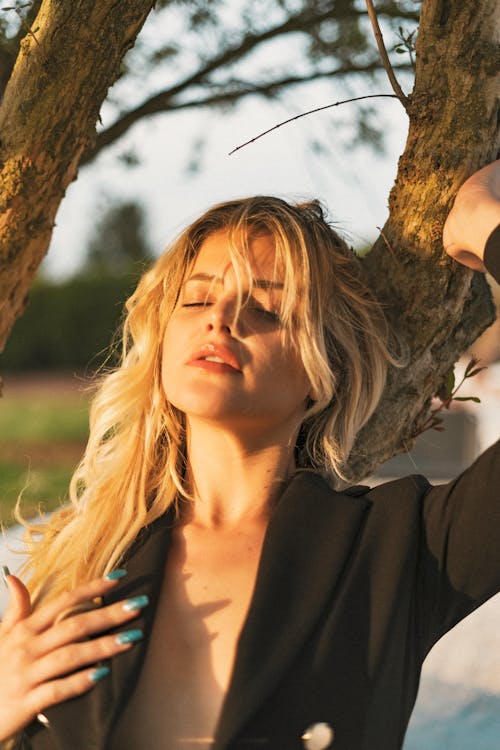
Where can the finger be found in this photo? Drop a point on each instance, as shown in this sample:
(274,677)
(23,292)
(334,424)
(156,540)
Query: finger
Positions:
(78,627)
(467,259)
(77,655)
(461,254)
(19,607)
(47,614)
(490,177)
(58,690)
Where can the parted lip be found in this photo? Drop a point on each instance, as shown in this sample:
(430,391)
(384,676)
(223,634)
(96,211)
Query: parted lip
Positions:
(216,350)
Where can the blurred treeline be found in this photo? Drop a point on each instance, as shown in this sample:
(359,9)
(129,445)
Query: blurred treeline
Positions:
(69,324)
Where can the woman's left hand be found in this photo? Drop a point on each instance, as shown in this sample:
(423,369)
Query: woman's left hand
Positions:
(475,214)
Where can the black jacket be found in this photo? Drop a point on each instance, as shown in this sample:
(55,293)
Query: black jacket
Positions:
(352,591)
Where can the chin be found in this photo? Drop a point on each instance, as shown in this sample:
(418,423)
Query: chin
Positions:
(203,408)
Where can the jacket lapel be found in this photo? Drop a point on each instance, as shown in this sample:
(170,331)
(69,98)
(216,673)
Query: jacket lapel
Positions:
(93,713)
(286,603)
(307,546)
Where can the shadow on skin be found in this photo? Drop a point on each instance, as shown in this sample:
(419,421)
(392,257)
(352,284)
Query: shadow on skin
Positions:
(177,693)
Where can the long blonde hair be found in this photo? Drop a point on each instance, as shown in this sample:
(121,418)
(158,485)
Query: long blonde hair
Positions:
(133,467)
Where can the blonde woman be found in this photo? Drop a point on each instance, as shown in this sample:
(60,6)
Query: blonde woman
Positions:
(207,587)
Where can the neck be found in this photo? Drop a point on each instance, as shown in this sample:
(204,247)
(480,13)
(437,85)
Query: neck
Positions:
(235,480)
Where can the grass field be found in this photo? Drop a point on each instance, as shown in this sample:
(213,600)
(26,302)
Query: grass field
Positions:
(42,435)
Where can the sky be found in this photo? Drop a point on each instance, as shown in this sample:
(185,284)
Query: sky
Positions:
(353,182)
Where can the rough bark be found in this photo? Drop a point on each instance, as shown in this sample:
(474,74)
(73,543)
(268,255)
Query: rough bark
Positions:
(436,307)
(47,118)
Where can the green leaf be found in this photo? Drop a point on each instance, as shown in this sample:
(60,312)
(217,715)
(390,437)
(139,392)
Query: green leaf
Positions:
(475,372)
(468,398)
(446,388)
(450,381)
(470,366)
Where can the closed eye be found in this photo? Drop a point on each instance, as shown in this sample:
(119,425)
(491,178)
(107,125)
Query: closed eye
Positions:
(269,314)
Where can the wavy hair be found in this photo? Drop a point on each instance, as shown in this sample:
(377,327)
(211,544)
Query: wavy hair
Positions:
(133,467)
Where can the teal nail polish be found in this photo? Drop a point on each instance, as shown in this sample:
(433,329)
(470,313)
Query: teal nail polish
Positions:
(5,573)
(129,636)
(138,602)
(115,574)
(98,673)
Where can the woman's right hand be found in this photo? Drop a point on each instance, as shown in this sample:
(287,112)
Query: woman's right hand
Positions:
(46,657)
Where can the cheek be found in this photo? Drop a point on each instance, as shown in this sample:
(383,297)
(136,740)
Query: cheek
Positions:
(299,377)
(287,375)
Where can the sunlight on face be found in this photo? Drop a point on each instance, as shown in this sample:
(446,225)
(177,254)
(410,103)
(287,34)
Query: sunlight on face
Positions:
(234,371)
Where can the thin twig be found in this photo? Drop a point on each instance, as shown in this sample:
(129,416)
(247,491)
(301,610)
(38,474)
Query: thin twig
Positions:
(434,419)
(390,248)
(17,9)
(29,31)
(383,54)
(311,112)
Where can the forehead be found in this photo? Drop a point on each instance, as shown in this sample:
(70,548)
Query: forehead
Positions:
(214,256)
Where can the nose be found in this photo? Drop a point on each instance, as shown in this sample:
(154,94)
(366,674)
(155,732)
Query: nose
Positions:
(221,316)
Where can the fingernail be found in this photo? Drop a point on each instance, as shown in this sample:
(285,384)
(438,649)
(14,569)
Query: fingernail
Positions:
(5,573)
(115,574)
(129,636)
(138,602)
(98,673)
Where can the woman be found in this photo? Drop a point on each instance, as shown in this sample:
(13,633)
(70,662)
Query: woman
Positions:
(268,609)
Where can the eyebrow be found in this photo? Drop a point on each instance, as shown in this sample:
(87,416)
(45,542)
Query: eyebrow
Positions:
(259,283)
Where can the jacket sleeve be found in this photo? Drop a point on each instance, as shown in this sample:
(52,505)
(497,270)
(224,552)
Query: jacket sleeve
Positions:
(460,550)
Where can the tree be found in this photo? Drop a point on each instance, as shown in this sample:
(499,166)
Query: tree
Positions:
(437,307)
(47,119)
(221,50)
(118,245)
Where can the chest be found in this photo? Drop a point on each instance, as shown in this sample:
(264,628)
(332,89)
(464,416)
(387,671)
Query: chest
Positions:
(206,592)
(205,595)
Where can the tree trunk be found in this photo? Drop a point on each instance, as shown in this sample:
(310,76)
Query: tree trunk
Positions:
(47,118)
(437,307)
(48,115)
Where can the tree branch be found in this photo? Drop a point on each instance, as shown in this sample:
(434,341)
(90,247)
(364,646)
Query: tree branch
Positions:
(383,54)
(47,115)
(161,104)
(9,48)
(300,22)
(268,89)
(311,112)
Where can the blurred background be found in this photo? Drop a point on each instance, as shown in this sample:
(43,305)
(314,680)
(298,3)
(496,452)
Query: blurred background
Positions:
(204,77)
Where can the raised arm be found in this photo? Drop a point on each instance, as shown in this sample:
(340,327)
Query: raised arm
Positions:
(461,520)
(461,544)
